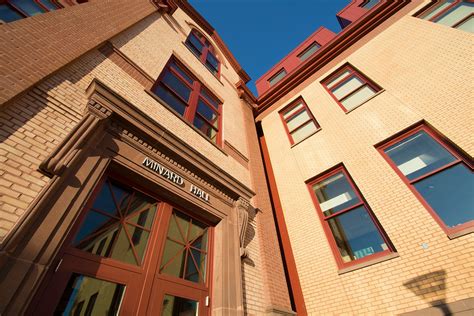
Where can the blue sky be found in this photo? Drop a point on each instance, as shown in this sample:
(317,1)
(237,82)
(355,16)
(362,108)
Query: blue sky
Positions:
(261,32)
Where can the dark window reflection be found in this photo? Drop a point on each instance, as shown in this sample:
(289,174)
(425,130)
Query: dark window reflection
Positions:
(89,296)
(356,234)
(451,194)
(179,306)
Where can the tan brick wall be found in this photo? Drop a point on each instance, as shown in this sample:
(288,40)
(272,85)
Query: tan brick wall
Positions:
(34,123)
(37,121)
(427,72)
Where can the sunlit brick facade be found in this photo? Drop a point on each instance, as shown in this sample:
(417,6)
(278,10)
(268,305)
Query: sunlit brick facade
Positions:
(140,176)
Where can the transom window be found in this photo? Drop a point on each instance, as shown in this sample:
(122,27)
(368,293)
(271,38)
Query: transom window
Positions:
(313,48)
(454,13)
(12,10)
(349,87)
(179,89)
(439,177)
(369,4)
(277,77)
(201,47)
(298,121)
(350,225)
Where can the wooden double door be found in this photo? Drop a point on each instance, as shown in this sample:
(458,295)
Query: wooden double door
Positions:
(129,254)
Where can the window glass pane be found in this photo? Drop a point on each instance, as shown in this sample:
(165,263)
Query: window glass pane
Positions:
(185,250)
(451,194)
(177,85)
(348,86)
(358,98)
(89,296)
(27,6)
(280,75)
(418,154)
(208,113)
(335,194)
(212,60)
(109,234)
(182,73)
(178,306)
(291,111)
(370,4)
(467,25)
(48,4)
(303,132)
(337,79)
(440,8)
(210,98)
(298,120)
(7,14)
(195,43)
(456,14)
(170,99)
(204,127)
(309,51)
(356,234)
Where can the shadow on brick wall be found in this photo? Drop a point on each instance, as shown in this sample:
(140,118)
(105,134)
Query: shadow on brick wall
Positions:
(431,287)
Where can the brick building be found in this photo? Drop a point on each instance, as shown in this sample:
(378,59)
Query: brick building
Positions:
(140,176)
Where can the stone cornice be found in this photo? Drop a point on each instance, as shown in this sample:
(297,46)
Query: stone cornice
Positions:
(184,155)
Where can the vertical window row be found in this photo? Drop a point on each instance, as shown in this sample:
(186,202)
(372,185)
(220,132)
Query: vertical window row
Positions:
(352,229)
(189,98)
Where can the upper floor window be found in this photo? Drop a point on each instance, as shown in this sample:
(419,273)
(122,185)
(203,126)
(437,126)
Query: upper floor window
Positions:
(277,77)
(437,174)
(190,99)
(201,47)
(369,4)
(349,87)
(309,51)
(454,13)
(298,121)
(350,225)
(12,10)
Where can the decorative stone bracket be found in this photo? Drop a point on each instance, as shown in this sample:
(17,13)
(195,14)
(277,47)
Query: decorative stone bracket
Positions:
(71,146)
(243,208)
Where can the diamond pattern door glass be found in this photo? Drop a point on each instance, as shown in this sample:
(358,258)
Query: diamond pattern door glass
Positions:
(185,253)
(118,224)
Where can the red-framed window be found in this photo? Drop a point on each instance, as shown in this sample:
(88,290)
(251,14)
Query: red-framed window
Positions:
(349,87)
(204,50)
(369,4)
(437,174)
(277,77)
(458,14)
(353,231)
(298,121)
(189,98)
(309,51)
(12,10)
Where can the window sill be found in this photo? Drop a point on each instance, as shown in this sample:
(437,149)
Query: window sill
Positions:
(198,57)
(462,232)
(380,92)
(306,137)
(368,263)
(154,96)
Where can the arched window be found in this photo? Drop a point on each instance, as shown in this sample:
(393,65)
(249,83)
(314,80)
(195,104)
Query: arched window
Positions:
(204,50)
